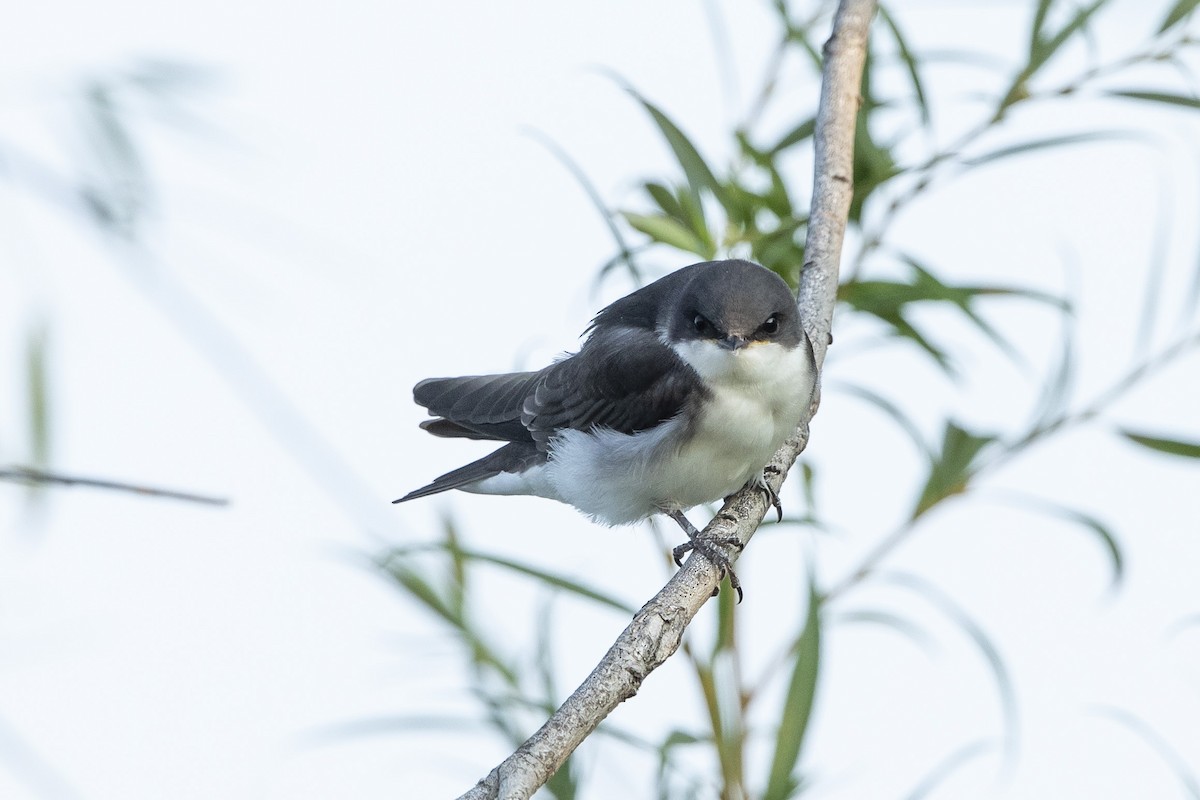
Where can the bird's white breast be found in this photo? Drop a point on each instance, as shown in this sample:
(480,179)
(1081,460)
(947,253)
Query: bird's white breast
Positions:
(756,397)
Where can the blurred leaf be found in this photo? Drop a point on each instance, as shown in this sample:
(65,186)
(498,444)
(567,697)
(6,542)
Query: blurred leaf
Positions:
(699,175)
(1181,10)
(905,627)
(118,191)
(670,232)
(1055,395)
(1168,98)
(798,705)
(952,469)
(38,398)
(1041,50)
(946,768)
(795,136)
(1046,143)
(1039,22)
(624,253)
(1174,447)
(902,420)
(553,580)
(666,201)
(1044,49)
(874,164)
(888,300)
(955,612)
(427,595)
(1103,533)
(1155,741)
(910,63)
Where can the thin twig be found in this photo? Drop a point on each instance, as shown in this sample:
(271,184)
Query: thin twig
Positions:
(30,475)
(657,629)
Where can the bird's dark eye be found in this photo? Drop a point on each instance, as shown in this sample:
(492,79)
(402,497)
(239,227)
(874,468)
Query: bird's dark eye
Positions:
(771,326)
(702,326)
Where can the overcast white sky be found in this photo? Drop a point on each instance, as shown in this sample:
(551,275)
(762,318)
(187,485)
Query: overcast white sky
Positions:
(364,210)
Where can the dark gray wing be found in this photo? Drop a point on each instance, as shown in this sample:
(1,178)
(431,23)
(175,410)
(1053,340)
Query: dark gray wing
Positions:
(623,378)
(477,406)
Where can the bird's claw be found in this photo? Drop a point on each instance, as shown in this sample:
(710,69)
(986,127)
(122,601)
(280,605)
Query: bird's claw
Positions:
(710,549)
(772,495)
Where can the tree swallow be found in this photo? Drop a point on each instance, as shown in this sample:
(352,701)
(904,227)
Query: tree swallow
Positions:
(680,394)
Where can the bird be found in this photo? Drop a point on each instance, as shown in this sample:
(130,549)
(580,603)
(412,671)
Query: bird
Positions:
(679,395)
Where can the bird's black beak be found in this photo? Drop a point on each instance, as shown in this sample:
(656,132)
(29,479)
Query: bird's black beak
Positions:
(732,342)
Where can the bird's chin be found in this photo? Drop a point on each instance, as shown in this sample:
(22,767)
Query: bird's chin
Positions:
(753,363)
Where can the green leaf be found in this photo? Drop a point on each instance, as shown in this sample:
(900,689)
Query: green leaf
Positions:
(796,135)
(553,580)
(699,174)
(38,399)
(798,705)
(910,62)
(1039,22)
(1044,49)
(668,231)
(1169,98)
(951,470)
(1178,12)
(665,200)
(1175,447)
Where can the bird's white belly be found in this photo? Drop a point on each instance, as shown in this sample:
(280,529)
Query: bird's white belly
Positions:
(617,478)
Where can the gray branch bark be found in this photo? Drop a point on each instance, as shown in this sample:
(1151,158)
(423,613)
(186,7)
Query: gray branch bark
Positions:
(657,629)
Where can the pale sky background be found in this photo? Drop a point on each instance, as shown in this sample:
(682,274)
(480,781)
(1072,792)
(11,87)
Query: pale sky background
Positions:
(363,210)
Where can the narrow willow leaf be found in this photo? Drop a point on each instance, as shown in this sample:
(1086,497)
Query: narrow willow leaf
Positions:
(624,253)
(665,200)
(951,469)
(553,580)
(949,765)
(910,63)
(902,420)
(905,627)
(1039,22)
(797,708)
(1046,143)
(1055,395)
(1169,98)
(1175,447)
(1154,740)
(1107,538)
(38,398)
(699,174)
(1178,12)
(956,613)
(1045,49)
(668,231)
(795,136)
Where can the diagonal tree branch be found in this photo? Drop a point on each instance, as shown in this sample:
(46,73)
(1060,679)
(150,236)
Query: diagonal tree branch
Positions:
(657,629)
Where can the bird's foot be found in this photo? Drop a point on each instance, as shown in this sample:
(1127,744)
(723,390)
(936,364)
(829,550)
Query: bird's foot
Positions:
(710,548)
(773,496)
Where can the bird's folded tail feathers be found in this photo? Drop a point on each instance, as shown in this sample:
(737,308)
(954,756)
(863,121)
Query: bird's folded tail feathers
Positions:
(514,457)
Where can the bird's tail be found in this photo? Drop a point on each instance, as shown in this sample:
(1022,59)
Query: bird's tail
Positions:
(513,457)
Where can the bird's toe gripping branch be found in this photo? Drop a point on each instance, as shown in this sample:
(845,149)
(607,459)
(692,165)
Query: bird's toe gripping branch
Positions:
(709,548)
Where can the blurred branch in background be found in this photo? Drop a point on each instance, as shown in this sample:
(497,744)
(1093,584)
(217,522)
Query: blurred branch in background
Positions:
(38,477)
(116,195)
